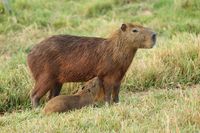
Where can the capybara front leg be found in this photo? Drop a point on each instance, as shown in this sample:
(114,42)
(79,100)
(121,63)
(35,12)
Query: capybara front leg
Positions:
(115,93)
(107,92)
(55,91)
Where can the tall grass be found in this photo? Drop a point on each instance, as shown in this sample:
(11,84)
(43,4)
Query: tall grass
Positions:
(167,66)
(173,63)
(15,84)
(155,111)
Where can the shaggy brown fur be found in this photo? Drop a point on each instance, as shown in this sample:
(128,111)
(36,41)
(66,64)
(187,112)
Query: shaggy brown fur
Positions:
(89,94)
(66,58)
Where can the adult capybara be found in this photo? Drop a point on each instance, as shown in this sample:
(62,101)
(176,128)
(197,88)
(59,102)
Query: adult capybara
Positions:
(89,94)
(66,58)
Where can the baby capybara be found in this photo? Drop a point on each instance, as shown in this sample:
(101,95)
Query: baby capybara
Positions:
(89,94)
(66,58)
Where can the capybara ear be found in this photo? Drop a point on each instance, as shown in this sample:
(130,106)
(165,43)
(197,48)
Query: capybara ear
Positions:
(123,27)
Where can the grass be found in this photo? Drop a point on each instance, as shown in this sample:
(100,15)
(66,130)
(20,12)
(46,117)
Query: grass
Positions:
(152,111)
(160,92)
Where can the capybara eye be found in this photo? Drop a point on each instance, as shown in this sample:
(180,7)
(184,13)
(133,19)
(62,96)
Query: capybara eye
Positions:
(135,30)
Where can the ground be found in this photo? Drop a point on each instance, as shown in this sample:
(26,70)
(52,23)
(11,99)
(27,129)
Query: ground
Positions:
(151,111)
(160,92)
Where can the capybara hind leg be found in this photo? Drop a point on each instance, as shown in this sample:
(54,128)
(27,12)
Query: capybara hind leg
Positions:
(115,93)
(55,91)
(34,100)
(41,88)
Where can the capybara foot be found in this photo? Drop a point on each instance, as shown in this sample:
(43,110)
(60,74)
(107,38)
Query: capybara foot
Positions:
(116,100)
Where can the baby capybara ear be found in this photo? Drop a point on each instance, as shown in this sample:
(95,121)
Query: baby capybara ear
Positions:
(123,27)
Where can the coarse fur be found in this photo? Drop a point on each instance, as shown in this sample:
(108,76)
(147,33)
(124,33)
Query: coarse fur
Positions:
(88,95)
(66,58)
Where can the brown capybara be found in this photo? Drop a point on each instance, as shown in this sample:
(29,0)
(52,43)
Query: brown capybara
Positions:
(89,94)
(66,58)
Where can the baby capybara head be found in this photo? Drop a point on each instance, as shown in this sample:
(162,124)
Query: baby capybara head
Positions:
(138,36)
(94,87)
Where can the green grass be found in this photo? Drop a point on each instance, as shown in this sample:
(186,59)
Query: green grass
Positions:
(152,111)
(163,77)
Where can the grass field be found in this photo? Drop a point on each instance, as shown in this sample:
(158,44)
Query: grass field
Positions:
(161,90)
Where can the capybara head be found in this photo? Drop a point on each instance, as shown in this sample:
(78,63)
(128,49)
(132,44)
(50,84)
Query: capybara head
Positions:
(94,87)
(138,36)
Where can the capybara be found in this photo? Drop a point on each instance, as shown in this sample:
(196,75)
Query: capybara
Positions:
(67,58)
(89,94)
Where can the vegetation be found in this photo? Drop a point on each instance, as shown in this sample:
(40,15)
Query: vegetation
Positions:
(160,92)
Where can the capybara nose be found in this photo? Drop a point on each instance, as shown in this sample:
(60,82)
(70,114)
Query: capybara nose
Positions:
(154,37)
